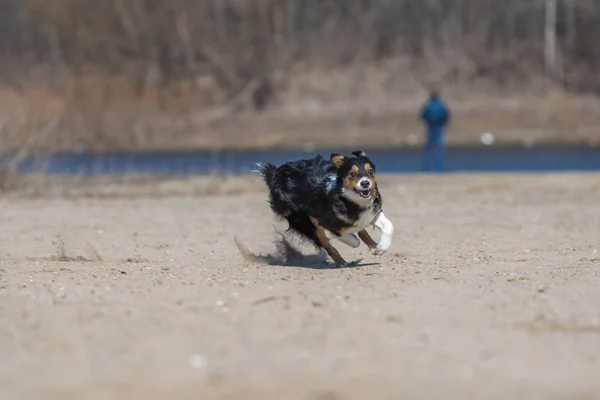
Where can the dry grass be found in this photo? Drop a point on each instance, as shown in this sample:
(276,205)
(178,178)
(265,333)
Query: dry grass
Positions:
(368,105)
(73,249)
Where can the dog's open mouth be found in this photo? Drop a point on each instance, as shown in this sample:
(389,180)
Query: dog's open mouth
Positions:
(365,194)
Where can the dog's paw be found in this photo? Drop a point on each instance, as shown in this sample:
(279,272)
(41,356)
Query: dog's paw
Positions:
(378,250)
(349,264)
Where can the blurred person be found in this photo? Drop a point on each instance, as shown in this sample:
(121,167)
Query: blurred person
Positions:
(436,115)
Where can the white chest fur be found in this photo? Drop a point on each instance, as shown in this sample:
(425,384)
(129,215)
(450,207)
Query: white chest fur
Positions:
(365,219)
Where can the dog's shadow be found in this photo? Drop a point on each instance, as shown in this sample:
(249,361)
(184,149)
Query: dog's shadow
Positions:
(302,263)
(289,256)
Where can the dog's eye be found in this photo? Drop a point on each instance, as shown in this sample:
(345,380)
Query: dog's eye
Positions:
(371,172)
(352,174)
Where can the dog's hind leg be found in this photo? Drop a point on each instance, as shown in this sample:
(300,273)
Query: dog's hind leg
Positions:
(301,223)
(324,242)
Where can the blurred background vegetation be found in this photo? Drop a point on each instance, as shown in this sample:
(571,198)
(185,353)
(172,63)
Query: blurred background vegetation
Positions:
(148,74)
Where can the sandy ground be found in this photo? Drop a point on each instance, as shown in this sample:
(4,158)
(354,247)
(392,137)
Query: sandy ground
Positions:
(491,290)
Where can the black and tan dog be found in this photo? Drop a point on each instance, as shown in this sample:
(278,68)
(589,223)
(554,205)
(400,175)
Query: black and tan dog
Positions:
(323,199)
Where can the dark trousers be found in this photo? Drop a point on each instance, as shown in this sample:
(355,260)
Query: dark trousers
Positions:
(433,155)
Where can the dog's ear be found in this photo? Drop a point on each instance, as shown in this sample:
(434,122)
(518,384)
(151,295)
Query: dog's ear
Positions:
(359,153)
(337,159)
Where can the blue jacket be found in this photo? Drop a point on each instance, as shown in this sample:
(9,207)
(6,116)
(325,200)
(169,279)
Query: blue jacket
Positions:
(435,113)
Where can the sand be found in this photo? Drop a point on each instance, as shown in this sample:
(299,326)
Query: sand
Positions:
(491,290)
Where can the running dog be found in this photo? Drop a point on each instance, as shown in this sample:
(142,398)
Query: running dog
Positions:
(324,199)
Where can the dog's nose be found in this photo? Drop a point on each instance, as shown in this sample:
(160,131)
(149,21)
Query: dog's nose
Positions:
(365,184)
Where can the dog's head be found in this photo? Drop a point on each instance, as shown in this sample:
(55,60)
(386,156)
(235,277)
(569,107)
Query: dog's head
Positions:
(357,174)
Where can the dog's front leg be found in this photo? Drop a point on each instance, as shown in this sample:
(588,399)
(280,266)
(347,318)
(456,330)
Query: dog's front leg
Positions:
(387,231)
(368,240)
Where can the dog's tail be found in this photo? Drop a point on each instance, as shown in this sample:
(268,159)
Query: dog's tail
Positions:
(266,171)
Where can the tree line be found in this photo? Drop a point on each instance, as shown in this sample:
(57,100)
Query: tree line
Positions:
(242,43)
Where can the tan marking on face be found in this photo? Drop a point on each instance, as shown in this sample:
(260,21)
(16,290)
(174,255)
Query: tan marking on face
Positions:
(349,181)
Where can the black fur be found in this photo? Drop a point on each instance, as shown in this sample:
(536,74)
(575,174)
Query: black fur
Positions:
(313,187)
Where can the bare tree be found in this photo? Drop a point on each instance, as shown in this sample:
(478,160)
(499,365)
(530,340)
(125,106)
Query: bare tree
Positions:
(237,42)
(550,37)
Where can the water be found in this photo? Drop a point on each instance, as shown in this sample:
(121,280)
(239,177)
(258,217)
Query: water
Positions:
(486,159)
